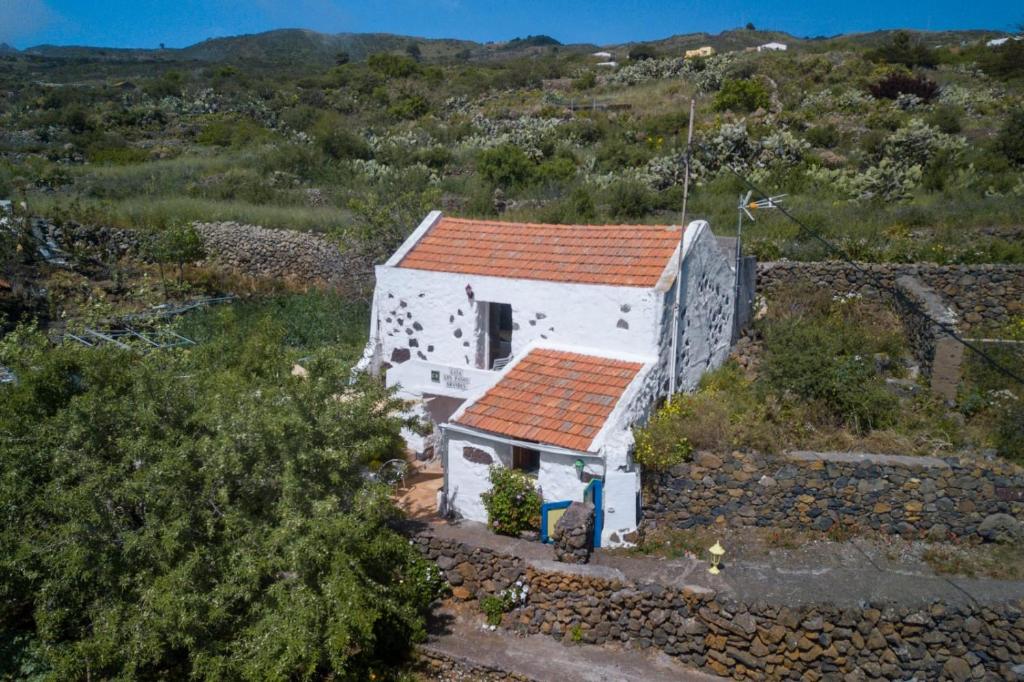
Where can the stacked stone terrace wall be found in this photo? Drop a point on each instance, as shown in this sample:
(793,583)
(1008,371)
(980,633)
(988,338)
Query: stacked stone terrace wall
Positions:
(980,295)
(280,254)
(897,495)
(745,640)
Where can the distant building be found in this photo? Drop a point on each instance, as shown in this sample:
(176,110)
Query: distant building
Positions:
(601,55)
(772,47)
(705,51)
(996,42)
(610,65)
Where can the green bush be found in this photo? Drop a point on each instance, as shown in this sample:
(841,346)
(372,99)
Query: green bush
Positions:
(506,166)
(823,136)
(512,503)
(1011,137)
(828,361)
(232,132)
(409,107)
(906,50)
(946,118)
(393,65)
(662,443)
(337,141)
(630,199)
(741,96)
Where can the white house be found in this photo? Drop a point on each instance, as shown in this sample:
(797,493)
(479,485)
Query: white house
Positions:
(772,47)
(601,55)
(539,346)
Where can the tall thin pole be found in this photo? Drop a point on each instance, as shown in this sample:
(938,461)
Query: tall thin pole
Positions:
(673,361)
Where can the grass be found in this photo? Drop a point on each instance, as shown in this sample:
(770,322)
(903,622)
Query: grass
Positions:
(1002,562)
(145,212)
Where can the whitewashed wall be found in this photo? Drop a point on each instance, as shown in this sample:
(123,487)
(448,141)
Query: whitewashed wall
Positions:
(468,480)
(429,316)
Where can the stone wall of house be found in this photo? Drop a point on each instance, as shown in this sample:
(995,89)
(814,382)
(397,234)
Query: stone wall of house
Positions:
(979,294)
(756,640)
(897,495)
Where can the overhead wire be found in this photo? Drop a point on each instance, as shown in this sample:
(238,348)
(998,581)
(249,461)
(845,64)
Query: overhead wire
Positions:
(897,294)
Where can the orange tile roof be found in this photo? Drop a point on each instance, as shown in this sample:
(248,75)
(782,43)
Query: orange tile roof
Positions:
(625,255)
(553,397)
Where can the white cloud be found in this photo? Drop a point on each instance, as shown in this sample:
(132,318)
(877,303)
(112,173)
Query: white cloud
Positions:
(24,18)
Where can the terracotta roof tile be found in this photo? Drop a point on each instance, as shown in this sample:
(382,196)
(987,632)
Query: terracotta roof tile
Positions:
(627,255)
(553,397)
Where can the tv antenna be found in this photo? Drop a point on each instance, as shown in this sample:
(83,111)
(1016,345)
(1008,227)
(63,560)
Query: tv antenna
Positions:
(748,208)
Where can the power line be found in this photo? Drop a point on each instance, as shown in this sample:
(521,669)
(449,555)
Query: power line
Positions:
(896,293)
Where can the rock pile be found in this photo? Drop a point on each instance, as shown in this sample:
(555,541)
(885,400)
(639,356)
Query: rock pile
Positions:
(573,536)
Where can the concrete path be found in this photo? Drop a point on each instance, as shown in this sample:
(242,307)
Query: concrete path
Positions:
(544,659)
(844,574)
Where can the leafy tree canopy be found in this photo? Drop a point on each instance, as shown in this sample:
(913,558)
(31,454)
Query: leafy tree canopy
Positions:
(199,514)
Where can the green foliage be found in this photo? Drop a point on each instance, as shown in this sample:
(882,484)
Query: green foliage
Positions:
(393,65)
(200,514)
(512,503)
(905,50)
(741,96)
(1005,62)
(170,84)
(946,118)
(585,81)
(662,443)
(826,136)
(826,358)
(336,140)
(177,244)
(409,107)
(506,166)
(629,199)
(494,607)
(641,52)
(1011,137)
(232,132)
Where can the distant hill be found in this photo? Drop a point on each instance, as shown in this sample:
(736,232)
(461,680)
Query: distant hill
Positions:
(300,46)
(7,49)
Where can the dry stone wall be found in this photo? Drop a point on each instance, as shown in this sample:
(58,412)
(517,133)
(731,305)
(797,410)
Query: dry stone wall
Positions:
(280,254)
(756,640)
(892,494)
(980,295)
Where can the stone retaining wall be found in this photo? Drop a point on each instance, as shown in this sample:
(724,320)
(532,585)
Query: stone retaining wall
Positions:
(812,641)
(910,496)
(979,294)
(761,641)
(280,254)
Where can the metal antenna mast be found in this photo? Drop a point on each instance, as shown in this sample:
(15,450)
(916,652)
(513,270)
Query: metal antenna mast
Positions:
(745,206)
(673,361)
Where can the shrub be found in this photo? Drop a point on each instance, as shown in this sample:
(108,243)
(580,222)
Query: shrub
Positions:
(899,83)
(1011,137)
(661,443)
(512,503)
(742,96)
(393,65)
(946,118)
(409,107)
(586,80)
(906,50)
(639,53)
(337,141)
(823,136)
(506,166)
(630,199)
(827,361)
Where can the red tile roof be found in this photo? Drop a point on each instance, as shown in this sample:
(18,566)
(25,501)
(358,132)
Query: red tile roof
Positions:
(553,397)
(625,255)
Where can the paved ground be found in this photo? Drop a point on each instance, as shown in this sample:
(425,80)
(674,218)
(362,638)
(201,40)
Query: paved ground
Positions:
(461,635)
(418,496)
(846,574)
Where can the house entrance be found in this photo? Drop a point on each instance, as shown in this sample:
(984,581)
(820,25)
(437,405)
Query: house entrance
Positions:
(497,342)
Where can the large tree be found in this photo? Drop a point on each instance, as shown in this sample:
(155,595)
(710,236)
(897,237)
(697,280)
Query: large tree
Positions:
(198,514)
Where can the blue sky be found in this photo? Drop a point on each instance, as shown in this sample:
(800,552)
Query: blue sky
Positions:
(147,23)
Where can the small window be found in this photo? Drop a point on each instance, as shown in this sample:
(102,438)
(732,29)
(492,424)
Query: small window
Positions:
(525,460)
